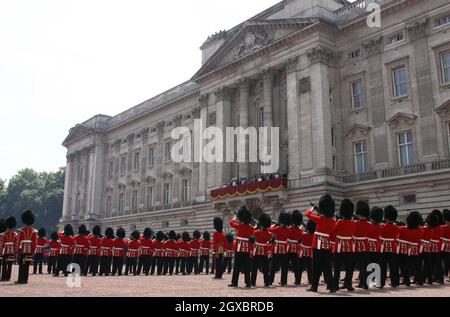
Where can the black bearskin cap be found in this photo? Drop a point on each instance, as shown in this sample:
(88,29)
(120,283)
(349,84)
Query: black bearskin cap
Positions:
(265,221)
(284,219)
(178,236)
(414,220)
(148,233)
(135,235)
(97,231)
(206,236)
(120,233)
(160,236)
(172,235)
(2,225)
(439,215)
(347,209)
(109,233)
(197,235)
(446,215)
(28,217)
(296,218)
(218,224)
(68,230)
(244,215)
(376,214)
(362,209)
(82,230)
(185,236)
(311,227)
(11,223)
(230,238)
(390,213)
(433,219)
(42,233)
(327,206)
(54,236)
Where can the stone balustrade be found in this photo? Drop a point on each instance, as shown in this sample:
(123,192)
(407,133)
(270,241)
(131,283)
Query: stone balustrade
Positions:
(356,9)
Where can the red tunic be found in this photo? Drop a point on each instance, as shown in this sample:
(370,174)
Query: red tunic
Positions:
(324,230)
(424,246)
(244,232)
(171,248)
(147,247)
(195,245)
(228,249)
(294,238)
(40,245)
(408,241)
(184,249)
(281,236)
(374,238)
(361,236)
(82,245)
(9,243)
(26,241)
(218,243)
(388,238)
(119,247)
(306,246)
(262,239)
(106,247)
(343,235)
(95,245)
(435,240)
(159,249)
(55,248)
(445,239)
(67,245)
(205,247)
(134,249)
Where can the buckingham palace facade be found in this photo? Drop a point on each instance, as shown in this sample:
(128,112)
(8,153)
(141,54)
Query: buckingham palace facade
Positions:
(363,113)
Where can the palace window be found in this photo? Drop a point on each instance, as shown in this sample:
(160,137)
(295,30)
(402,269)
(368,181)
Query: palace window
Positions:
(111,169)
(165,224)
(166,195)
(399,82)
(185,190)
(121,202)
(406,149)
(184,222)
(123,165)
(135,200)
(151,157)
(108,205)
(354,54)
(396,38)
(136,161)
(357,94)
(445,67)
(442,21)
(168,152)
(150,202)
(361,157)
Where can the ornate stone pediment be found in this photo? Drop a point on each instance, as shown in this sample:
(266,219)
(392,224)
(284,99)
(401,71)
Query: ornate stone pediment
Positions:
(184,171)
(444,110)
(358,129)
(135,182)
(322,54)
(150,179)
(76,132)
(401,118)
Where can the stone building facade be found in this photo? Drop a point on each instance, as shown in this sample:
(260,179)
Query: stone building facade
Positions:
(363,112)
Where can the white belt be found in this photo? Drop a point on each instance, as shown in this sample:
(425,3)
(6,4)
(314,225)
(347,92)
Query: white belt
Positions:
(146,248)
(9,243)
(26,241)
(120,249)
(292,241)
(242,239)
(386,239)
(172,250)
(79,246)
(182,250)
(435,241)
(373,240)
(403,241)
(204,248)
(360,238)
(194,249)
(280,242)
(105,248)
(322,234)
(424,241)
(133,250)
(94,247)
(344,238)
(260,244)
(306,247)
(445,239)
(159,249)
(65,246)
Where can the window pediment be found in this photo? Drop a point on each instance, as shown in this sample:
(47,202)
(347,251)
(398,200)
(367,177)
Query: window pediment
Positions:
(400,119)
(358,130)
(444,110)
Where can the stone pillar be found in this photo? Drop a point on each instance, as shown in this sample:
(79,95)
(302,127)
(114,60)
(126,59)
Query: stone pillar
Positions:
(244,168)
(90,172)
(97,179)
(268,97)
(76,184)
(67,189)
(223,120)
(203,170)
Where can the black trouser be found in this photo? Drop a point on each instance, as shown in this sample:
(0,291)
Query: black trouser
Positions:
(117,265)
(410,265)
(321,263)
(260,262)
(184,265)
(144,264)
(92,264)
(24,269)
(391,260)
(241,264)
(51,264)
(306,265)
(213,264)
(227,265)
(362,261)
(177,265)
(131,266)
(294,263)
(279,261)
(80,259)
(218,260)
(37,263)
(446,259)
(157,265)
(193,265)
(204,261)
(345,261)
(6,269)
(169,265)
(105,265)
(63,261)
(433,268)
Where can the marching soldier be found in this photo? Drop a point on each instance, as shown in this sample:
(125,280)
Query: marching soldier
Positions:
(445,241)
(434,271)
(95,241)
(361,242)
(106,252)
(9,243)
(194,245)
(280,249)
(66,253)
(146,257)
(306,251)
(118,252)
(294,240)
(218,244)
(40,250)
(388,247)
(26,246)
(184,252)
(171,252)
(205,246)
(81,249)
(261,254)
(2,230)
(55,248)
(373,237)
(134,249)
(228,254)
(158,254)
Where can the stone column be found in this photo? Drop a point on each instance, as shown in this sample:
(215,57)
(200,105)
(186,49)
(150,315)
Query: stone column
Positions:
(90,176)
(97,179)
(244,168)
(203,170)
(268,97)
(223,120)
(75,185)
(67,189)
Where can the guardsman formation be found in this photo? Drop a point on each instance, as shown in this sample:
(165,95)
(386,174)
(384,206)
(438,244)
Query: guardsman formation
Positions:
(415,252)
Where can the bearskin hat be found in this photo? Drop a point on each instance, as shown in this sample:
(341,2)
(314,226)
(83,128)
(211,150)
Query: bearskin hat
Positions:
(265,221)
(68,230)
(135,235)
(347,209)
(2,225)
(311,227)
(82,230)
(42,233)
(11,223)
(284,219)
(230,238)
(54,236)
(327,206)
(28,217)
(414,220)
(178,236)
(362,209)
(390,213)
(297,218)
(376,214)
(172,235)
(148,233)
(218,224)
(97,231)
(439,215)
(160,236)
(433,219)
(446,213)
(109,233)
(120,233)
(185,236)
(197,235)
(206,236)
(244,215)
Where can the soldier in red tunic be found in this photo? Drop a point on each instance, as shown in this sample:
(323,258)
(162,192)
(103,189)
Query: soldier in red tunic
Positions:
(343,233)
(146,257)
(306,250)
(433,267)
(171,253)
(178,258)
(8,248)
(361,242)
(2,230)
(134,249)
(260,253)
(376,218)
(241,246)
(81,249)
(26,246)
(95,241)
(106,252)
(194,245)
(184,252)
(38,259)
(280,249)
(322,254)
(55,248)
(205,248)
(118,252)
(66,252)
(158,254)
(228,254)
(445,242)
(218,245)
(294,240)
(388,247)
